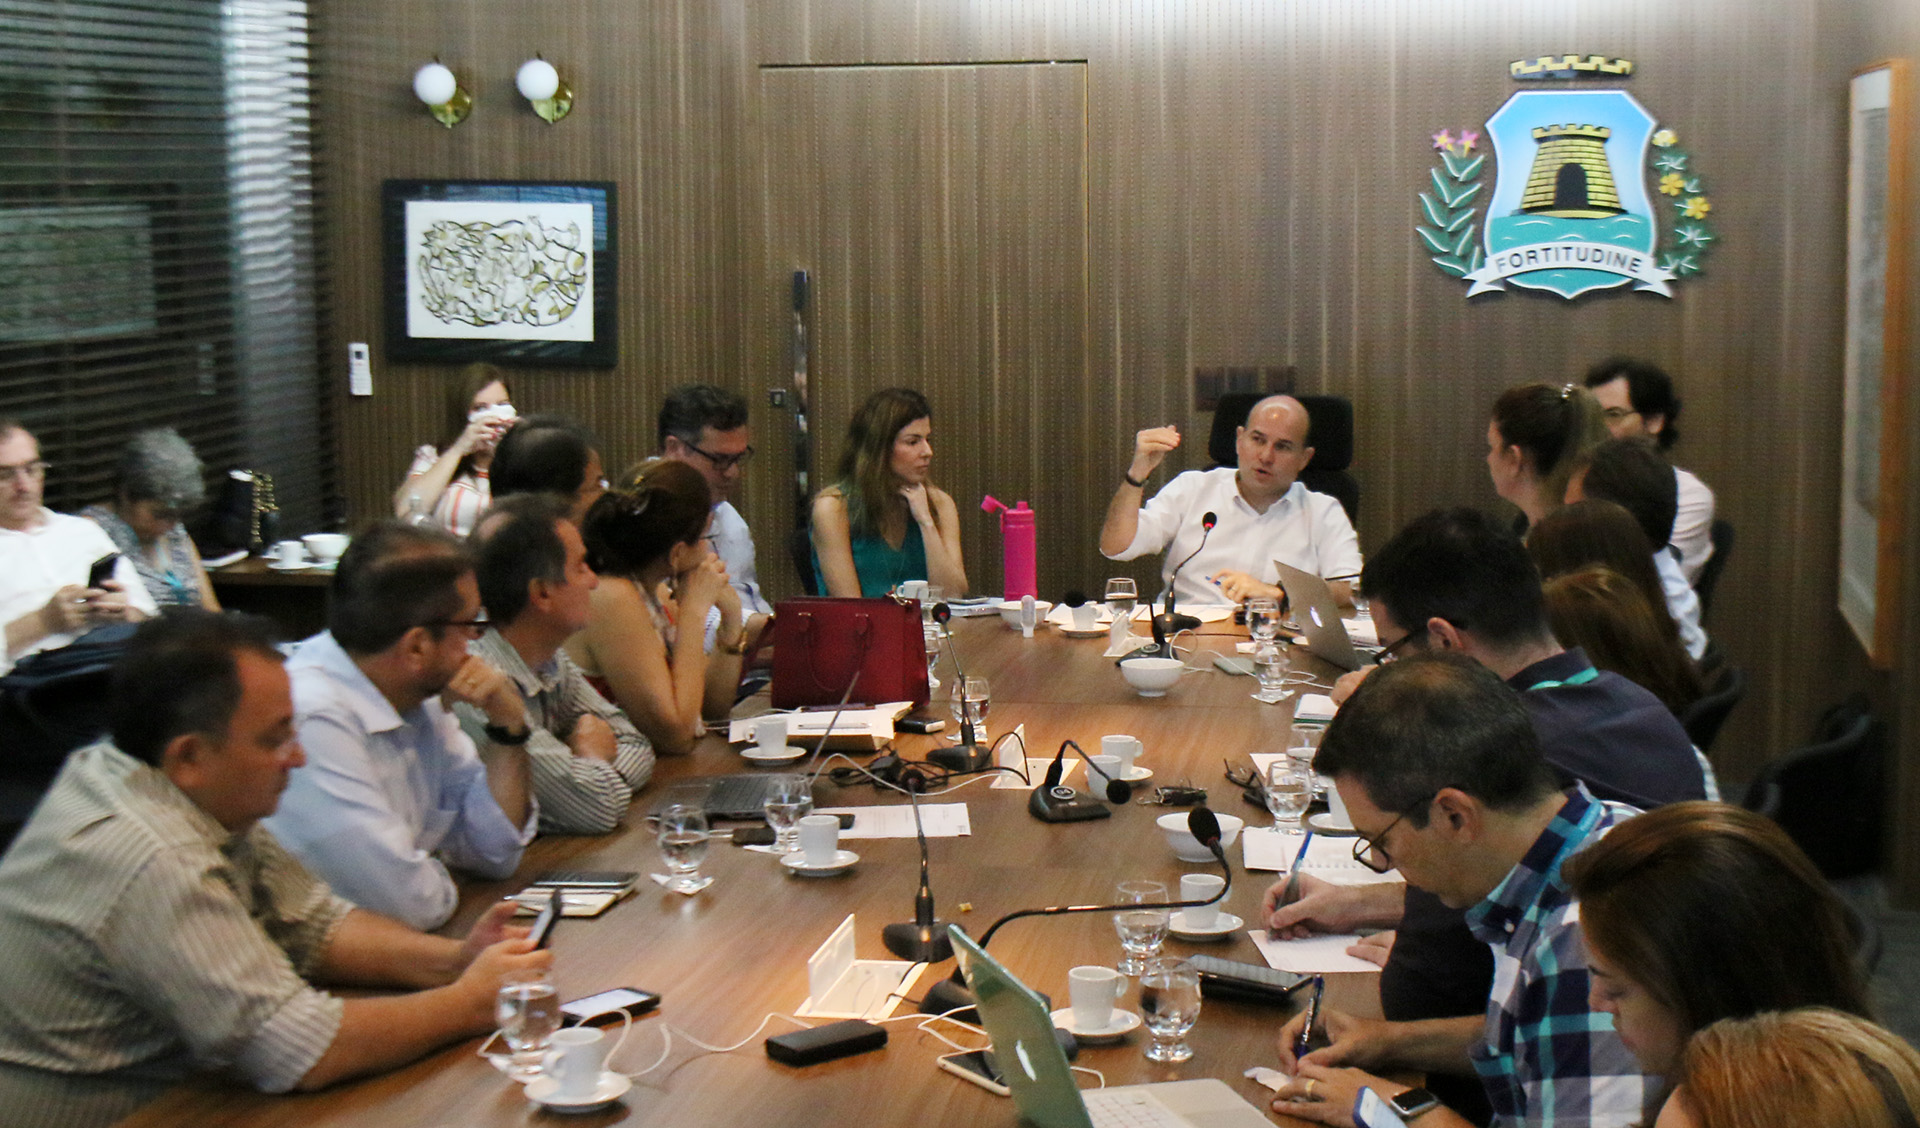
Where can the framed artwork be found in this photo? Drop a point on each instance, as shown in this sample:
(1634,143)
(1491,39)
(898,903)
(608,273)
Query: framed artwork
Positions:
(1879,234)
(507,271)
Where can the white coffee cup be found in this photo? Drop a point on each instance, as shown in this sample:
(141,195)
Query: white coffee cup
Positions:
(290,552)
(1085,617)
(1093,990)
(1108,764)
(820,839)
(576,1059)
(913,589)
(1126,748)
(770,732)
(1199,886)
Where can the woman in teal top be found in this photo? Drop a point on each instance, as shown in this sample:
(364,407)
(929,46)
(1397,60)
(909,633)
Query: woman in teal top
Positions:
(881,522)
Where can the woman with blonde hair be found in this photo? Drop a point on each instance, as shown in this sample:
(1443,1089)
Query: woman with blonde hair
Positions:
(1536,437)
(1795,1069)
(882,521)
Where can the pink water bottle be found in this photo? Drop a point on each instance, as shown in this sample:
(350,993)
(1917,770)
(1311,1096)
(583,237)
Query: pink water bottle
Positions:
(1017,548)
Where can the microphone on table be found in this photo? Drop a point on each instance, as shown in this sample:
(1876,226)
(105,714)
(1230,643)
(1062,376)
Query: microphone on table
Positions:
(1054,803)
(1170,622)
(951,994)
(924,938)
(968,755)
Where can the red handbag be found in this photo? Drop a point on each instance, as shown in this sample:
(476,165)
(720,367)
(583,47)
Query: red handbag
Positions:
(822,644)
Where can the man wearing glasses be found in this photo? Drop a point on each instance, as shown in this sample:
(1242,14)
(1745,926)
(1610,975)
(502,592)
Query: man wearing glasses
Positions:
(1637,398)
(1443,777)
(44,560)
(706,427)
(393,791)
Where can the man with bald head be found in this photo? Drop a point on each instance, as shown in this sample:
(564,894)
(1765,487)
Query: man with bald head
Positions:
(1264,514)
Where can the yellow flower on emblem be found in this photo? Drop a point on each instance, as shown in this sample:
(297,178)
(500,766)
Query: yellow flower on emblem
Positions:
(1672,183)
(1665,138)
(1698,207)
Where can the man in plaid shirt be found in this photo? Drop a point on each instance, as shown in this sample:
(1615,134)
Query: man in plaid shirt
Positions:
(1442,775)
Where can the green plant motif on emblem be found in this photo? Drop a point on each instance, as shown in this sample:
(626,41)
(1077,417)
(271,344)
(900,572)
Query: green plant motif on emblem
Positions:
(1449,209)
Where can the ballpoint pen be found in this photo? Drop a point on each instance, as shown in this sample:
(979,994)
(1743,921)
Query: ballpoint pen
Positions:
(1293,875)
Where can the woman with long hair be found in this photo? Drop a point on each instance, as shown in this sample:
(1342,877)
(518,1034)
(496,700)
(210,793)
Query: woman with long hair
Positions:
(449,488)
(1591,533)
(645,646)
(1794,1069)
(1606,615)
(1700,911)
(1536,436)
(882,521)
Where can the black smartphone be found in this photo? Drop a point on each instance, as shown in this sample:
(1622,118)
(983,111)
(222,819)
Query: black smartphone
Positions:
(754,836)
(102,569)
(543,924)
(608,1006)
(921,721)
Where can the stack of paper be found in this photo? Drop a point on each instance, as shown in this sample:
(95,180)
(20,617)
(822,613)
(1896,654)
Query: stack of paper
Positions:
(856,730)
(1329,859)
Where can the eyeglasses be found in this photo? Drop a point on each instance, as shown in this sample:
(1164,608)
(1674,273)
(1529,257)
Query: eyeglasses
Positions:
(722,462)
(1615,414)
(35,471)
(475,627)
(1370,853)
(1391,650)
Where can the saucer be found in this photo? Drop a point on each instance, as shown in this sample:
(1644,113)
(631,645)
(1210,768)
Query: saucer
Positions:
(1073,632)
(1137,773)
(1124,1023)
(283,566)
(842,862)
(613,1086)
(785,755)
(1323,822)
(1224,925)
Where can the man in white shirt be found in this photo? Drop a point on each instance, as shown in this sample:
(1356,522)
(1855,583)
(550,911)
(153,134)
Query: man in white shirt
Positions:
(1638,402)
(1264,514)
(393,791)
(706,427)
(44,560)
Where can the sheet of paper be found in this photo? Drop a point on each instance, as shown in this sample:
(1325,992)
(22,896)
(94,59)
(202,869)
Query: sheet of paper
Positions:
(1316,955)
(1315,707)
(1361,631)
(942,820)
(1328,858)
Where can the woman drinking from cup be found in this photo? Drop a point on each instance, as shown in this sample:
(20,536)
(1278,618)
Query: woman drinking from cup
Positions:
(882,522)
(449,488)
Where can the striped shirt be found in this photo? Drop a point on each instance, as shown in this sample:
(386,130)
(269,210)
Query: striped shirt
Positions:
(1548,1060)
(143,942)
(459,506)
(577,794)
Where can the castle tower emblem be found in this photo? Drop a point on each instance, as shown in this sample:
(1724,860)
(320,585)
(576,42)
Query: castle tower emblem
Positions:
(1571,178)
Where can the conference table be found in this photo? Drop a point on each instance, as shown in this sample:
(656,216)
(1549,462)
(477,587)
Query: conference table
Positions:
(736,952)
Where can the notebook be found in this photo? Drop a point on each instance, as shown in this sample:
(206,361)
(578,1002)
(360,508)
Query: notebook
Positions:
(1035,1068)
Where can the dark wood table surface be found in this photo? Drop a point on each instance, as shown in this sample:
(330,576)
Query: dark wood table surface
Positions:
(296,600)
(733,953)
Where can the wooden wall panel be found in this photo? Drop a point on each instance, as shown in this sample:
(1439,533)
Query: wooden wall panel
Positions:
(1251,173)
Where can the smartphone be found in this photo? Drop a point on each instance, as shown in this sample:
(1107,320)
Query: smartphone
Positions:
(921,721)
(542,931)
(754,836)
(975,1066)
(586,879)
(102,569)
(1369,1111)
(608,1006)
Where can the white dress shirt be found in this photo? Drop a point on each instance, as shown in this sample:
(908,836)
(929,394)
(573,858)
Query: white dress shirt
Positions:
(1682,603)
(733,542)
(386,802)
(1693,523)
(34,565)
(1303,529)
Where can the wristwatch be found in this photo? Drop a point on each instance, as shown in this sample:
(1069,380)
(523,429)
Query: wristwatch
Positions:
(500,734)
(1128,479)
(1412,1102)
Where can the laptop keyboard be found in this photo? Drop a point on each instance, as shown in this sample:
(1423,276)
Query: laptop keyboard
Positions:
(1109,1109)
(737,795)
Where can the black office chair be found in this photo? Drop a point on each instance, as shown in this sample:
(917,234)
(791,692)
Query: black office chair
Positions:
(1329,433)
(1704,718)
(800,551)
(1721,534)
(1828,795)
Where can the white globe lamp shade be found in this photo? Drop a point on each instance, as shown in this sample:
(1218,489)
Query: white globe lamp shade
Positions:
(537,80)
(434,84)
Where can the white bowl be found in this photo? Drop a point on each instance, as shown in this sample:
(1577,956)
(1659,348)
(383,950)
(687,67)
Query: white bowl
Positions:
(1185,846)
(1010,612)
(326,546)
(1151,677)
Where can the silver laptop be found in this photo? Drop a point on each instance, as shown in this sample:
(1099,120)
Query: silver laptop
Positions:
(1318,616)
(1035,1068)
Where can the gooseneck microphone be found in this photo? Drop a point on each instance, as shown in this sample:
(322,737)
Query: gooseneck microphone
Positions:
(968,755)
(923,939)
(1169,622)
(1118,790)
(1052,802)
(951,994)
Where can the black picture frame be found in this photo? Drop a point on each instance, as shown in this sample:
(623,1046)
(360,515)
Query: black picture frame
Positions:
(602,291)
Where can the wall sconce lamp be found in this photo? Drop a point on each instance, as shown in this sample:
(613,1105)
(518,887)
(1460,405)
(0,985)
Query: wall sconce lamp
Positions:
(540,85)
(435,85)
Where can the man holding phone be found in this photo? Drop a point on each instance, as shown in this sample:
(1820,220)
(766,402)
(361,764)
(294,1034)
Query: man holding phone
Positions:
(46,600)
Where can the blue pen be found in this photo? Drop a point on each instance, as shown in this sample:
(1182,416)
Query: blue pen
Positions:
(1293,875)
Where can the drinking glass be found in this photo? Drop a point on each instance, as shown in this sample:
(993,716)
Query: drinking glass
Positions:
(931,633)
(527,1009)
(979,699)
(789,799)
(1142,931)
(935,594)
(1289,790)
(1170,1002)
(1270,665)
(683,846)
(1303,744)
(1122,597)
(1263,618)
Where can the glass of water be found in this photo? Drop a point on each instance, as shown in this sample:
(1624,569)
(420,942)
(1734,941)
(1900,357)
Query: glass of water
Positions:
(527,1008)
(1122,597)
(1289,790)
(931,633)
(1270,665)
(683,846)
(1303,744)
(979,699)
(1142,931)
(789,799)
(1170,1002)
(1263,618)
